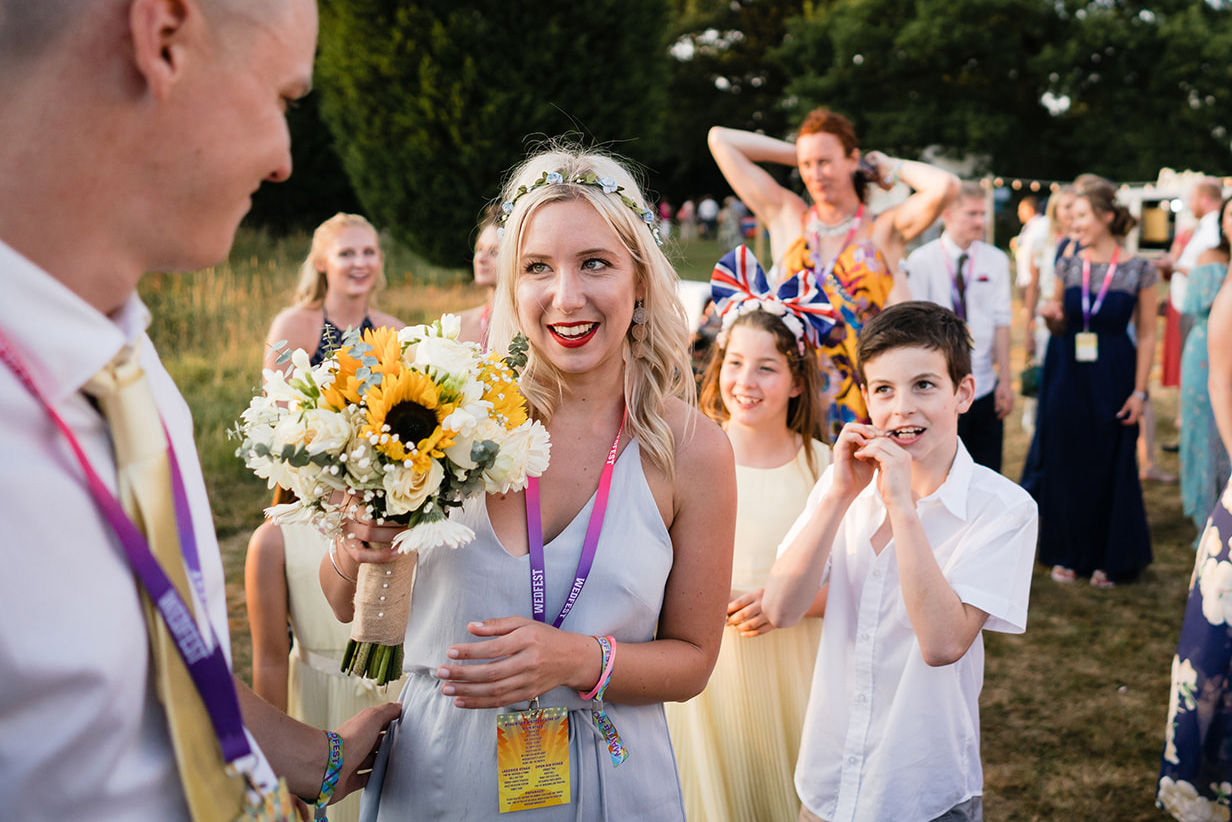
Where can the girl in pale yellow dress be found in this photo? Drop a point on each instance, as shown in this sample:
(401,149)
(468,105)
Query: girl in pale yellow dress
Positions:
(736,743)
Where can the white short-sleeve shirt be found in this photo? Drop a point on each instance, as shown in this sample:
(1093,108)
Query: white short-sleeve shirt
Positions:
(987,276)
(83,735)
(886,736)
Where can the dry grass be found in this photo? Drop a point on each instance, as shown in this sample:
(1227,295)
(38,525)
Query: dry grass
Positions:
(1073,710)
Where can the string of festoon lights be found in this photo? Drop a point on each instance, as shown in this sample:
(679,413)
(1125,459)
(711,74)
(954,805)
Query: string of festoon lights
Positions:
(1168,179)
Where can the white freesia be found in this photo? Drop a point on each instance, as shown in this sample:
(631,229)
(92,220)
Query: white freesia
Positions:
(524,452)
(451,326)
(1182,800)
(1215,580)
(278,390)
(406,489)
(441,533)
(291,513)
(302,363)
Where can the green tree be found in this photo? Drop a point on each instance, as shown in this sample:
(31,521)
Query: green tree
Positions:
(961,74)
(1145,85)
(432,102)
(722,73)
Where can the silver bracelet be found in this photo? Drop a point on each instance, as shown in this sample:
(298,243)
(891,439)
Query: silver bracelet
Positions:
(338,570)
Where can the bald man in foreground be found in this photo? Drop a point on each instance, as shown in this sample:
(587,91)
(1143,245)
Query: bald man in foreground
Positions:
(132,136)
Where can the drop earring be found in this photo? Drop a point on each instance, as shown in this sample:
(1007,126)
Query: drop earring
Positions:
(638,331)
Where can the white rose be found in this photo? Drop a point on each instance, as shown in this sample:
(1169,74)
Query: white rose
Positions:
(1215,580)
(524,452)
(406,489)
(326,432)
(413,333)
(444,355)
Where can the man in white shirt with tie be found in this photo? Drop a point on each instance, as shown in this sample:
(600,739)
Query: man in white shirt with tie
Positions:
(132,136)
(963,273)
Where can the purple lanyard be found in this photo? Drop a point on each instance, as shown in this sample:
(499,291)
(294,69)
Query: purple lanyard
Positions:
(534,538)
(1089,311)
(958,296)
(209,670)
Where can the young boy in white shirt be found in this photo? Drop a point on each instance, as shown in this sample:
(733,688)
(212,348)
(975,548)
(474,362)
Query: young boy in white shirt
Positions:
(912,550)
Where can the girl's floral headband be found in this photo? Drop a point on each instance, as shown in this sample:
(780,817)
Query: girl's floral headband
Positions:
(609,186)
(738,286)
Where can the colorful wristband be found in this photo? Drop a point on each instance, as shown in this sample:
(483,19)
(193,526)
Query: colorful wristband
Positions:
(333,769)
(608,646)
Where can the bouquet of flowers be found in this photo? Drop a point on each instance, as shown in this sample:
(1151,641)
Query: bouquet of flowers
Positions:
(396,428)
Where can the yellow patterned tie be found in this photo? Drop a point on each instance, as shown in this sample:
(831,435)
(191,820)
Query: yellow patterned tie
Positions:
(125,399)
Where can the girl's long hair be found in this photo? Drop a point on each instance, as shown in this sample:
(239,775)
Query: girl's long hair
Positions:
(805,415)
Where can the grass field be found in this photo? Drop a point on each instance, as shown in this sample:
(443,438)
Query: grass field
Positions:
(1073,710)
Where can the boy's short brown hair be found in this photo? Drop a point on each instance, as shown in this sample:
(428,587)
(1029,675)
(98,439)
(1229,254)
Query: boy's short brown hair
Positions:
(917,324)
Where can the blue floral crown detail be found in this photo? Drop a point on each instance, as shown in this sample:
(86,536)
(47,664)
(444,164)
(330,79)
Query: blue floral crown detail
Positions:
(609,186)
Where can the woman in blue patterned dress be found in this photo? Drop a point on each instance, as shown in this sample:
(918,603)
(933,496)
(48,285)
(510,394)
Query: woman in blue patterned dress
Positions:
(1082,469)
(1194,782)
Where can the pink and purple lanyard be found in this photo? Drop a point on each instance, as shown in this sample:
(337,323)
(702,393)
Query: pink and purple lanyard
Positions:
(534,537)
(209,669)
(538,580)
(1089,311)
(958,293)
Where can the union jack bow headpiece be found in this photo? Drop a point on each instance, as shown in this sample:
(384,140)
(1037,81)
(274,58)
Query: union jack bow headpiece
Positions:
(738,285)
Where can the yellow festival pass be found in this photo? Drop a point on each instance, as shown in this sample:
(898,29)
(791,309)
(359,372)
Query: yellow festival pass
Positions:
(1086,346)
(532,759)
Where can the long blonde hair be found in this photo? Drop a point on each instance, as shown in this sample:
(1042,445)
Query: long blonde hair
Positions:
(312,285)
(662,370)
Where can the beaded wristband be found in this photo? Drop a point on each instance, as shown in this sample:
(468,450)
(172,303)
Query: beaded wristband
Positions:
(608,646)
(333,770)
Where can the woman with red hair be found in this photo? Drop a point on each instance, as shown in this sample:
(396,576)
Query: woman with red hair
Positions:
(851,252)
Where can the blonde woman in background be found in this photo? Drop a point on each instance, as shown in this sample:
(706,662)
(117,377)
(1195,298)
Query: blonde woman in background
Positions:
(476,321)
(337,283)
(297,644)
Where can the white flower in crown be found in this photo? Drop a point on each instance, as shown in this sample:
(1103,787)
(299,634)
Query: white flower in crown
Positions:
(507,207)
(647,216)
(554,178)
(609,185)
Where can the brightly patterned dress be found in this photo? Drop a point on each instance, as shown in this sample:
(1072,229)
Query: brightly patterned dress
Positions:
(857,285)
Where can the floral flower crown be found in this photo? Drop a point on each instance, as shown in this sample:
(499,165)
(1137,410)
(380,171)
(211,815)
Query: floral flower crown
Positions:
(609,186)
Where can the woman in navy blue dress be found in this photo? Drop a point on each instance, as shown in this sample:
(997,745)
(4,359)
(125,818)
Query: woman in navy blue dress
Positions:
(1082,468)
(1194,782)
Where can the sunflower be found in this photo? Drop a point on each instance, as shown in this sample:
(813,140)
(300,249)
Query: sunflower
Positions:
(407,409)
(345,389)
(501,389)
